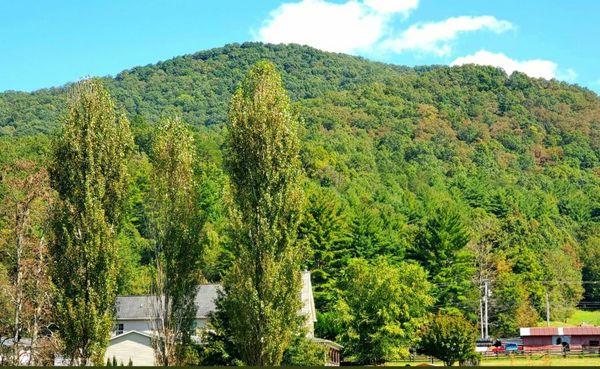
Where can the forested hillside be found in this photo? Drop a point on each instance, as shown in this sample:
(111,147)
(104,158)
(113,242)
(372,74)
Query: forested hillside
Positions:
(473,174)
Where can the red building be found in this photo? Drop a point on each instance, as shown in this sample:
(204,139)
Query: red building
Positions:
(550,338)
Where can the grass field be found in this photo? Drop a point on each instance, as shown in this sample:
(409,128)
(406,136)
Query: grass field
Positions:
(578,317)
(533,360)
(544,361)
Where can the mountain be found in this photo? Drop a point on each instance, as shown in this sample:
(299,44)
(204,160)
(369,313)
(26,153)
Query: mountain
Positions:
(400,156)
(198,86)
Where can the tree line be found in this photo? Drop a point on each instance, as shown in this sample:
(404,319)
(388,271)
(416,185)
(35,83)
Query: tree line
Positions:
(385,183)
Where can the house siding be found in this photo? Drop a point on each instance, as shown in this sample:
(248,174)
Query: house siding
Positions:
(135,325)
(134,346)
(549,342)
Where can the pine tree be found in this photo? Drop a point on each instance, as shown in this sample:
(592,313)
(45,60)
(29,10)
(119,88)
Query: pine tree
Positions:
(325,230)
(439,240)
(88,171)
(440,249)
(177,229)
(261,290)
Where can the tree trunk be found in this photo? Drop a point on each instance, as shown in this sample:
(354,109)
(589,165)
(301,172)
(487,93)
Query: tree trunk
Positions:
(18,287)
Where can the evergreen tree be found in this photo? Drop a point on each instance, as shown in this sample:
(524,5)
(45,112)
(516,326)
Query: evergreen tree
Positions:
(326,233)
(369,238)
(440,248)
(88,171)
(177,229)
(438,242)
(261,290)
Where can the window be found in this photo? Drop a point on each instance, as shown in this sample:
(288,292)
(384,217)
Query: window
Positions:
(594,343)
(119,328)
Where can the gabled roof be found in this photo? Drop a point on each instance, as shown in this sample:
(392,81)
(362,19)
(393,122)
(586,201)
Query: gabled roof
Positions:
(130,332)
(327,342)
(560,331)
(141,307)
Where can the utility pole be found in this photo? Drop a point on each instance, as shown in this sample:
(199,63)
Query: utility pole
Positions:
(547,309)
(485,301)
(481,316)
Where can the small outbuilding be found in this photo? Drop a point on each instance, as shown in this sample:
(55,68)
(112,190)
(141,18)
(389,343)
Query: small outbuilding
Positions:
(559,338)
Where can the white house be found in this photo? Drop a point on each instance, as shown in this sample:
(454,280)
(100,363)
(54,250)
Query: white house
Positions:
(131,346)
(132,337)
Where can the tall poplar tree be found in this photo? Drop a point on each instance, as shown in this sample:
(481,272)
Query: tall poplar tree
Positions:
(261,290)
(88,171)
(177,226)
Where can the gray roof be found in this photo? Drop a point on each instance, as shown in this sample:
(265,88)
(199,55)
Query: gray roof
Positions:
(205,299)
(140,307)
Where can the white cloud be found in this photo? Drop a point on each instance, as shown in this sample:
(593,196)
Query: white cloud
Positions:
(392,6)
(365,26)
(435,37)
(537,68)
(344,27)
(568,75)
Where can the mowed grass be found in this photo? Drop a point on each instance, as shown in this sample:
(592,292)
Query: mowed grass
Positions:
(534,360)
(543,360)
(578,317)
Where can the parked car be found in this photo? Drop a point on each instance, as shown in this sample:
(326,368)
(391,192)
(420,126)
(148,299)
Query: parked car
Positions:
(506,347)
(511,347)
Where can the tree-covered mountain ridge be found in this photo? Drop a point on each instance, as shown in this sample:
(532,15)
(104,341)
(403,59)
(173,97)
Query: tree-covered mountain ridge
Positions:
(467,171)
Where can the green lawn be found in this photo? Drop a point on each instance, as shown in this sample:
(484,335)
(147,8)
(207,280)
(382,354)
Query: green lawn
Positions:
(543,361)
(534,360)
(578,317)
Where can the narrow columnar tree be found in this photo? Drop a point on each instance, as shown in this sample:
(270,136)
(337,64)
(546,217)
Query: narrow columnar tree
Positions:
(262,289)
(177,230)
(88,171)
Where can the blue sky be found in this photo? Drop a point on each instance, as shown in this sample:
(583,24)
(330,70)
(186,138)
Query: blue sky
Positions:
(49,43)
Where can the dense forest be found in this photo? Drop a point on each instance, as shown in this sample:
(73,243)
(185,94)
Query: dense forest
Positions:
(458,175)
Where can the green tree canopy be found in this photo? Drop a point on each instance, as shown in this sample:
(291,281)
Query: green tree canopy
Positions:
(383,306)
(88,171)
(449,338)
(262,287)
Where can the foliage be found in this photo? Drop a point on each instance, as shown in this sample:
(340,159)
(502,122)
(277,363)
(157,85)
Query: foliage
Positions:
(304,352)
(23,247)
(176,227)
(88,171)
(382,147)
(442,236)
(217,347)
(325,231)
(449,338)
(261,289)
(384,305)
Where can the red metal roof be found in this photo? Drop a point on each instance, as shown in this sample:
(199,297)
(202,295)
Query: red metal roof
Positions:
(566,331)
(545,331)
(581,331)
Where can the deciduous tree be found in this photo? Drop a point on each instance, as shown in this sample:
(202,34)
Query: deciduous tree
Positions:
(88,171)
(384,305)
(262,288)
(449,338)
(23,250)
(177,232)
